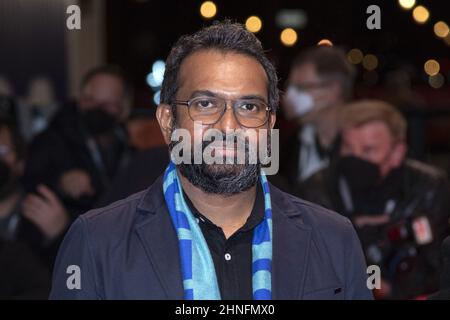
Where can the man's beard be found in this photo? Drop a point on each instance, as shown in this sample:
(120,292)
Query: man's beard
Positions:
(224,179)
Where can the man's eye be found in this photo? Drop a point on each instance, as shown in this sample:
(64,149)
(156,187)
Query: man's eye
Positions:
(204,104)
(249,107)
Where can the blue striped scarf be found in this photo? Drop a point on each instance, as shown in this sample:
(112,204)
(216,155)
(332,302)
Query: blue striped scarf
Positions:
(199,277)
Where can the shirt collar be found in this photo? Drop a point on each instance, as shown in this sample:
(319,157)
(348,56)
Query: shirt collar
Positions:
(255,217)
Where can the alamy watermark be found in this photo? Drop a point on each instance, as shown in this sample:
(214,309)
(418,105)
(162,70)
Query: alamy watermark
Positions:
(73,281)
(374,20)
(239,146)
(73,21)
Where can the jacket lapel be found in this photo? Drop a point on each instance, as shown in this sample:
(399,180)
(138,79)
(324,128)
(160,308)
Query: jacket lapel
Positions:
(291,244)
(156,232)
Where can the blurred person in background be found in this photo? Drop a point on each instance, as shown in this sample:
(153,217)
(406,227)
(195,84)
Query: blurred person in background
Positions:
(33,112)
(38,107)
(319,83)
(400,207)
(85,145)
(143,129)
(147,163)
(399,92)
(35,220)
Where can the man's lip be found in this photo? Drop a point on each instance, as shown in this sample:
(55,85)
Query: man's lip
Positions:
(224,145)
(224,149)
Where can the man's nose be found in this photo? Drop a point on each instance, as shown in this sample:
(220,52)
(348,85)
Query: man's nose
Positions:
(228,121)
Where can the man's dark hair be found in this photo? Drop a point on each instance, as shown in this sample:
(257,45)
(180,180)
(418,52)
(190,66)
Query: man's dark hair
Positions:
(16,138)
(331,63)
(225,37)
(112,70)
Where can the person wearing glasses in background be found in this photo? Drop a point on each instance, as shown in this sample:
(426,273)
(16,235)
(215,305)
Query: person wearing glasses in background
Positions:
(212,231)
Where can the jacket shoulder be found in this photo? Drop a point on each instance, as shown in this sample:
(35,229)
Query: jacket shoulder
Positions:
(424,171)
(114,220)
(335,250)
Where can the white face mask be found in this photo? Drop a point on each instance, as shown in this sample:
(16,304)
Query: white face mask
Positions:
(299,103)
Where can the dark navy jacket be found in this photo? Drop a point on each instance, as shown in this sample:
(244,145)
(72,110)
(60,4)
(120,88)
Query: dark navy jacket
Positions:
(129,250)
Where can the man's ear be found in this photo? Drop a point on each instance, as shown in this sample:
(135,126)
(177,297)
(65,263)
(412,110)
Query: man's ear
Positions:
(399,154)
(272,119)
(165,120)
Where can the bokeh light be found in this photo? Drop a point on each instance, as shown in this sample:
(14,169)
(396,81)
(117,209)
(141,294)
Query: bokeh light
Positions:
(441,29)
(421,14)
(157,97)
(355,56)
(288,37)
(370,62)
(436,81)
(431,67)
(253,24)
(325,42)
(208,9)
(407,4)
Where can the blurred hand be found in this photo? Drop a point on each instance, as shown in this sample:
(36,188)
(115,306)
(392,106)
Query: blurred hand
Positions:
(46,212)
(377,220)
(76,183)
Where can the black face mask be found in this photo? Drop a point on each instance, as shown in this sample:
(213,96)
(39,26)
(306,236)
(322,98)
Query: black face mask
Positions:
(361,175)
(8,182)
(81,204)
(98,121)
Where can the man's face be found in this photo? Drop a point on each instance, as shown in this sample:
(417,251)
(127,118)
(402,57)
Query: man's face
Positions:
(106,92)
(323,92)
(230,76)
(374,143)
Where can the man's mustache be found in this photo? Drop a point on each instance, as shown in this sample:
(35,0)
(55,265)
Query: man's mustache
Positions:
(217,147)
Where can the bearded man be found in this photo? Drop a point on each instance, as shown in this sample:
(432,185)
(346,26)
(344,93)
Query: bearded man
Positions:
(213,230)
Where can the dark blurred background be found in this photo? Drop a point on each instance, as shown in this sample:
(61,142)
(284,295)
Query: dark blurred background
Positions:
(136,33)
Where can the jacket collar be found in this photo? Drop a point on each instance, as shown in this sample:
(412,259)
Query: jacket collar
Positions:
(157,234)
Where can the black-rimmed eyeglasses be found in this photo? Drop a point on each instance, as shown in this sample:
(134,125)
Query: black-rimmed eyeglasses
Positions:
(249,113)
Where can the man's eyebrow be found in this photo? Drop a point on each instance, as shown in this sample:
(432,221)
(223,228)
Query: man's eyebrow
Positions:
(198,93)
(253,97)
(208,93)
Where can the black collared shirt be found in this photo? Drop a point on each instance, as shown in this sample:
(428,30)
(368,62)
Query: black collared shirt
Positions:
(232,257)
